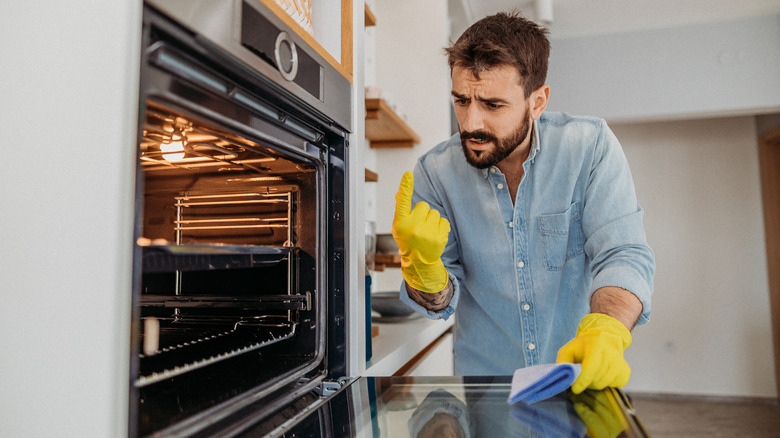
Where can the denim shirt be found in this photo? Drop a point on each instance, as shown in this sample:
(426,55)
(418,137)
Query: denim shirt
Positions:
(523,274)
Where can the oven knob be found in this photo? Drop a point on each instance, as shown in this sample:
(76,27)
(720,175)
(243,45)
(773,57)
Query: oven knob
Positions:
(286,56)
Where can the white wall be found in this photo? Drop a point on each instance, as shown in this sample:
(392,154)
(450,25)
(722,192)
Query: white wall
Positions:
(702,70)
(68,106)
(710,331)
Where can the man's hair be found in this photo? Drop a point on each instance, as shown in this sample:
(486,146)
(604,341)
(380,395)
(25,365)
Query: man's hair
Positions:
(504,39)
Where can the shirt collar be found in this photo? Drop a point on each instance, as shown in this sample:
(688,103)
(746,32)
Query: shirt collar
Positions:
(535,146)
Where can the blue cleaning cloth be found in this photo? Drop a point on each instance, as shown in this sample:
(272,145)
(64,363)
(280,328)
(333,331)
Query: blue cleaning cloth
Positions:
(540,382)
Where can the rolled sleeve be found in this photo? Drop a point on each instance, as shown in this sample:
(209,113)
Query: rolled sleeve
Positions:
(430,314)
(629,279)
(622,258)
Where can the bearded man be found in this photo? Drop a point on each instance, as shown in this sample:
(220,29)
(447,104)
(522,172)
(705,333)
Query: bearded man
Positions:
(526,222)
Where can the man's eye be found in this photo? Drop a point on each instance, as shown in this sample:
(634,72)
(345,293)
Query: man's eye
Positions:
(461,102)
(492,106)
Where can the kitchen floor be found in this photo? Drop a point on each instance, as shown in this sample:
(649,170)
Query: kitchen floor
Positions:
(684,416)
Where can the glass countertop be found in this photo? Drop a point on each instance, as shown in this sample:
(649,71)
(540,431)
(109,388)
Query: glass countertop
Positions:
(390,407)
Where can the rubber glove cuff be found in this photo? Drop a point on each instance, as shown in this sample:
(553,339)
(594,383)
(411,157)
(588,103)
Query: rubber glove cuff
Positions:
(428,277)
(598,346)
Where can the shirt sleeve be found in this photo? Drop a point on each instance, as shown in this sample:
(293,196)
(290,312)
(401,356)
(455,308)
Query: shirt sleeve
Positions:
(441,314)
(612,222)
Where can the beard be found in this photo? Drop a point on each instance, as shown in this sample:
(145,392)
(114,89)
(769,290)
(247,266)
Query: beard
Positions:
(502,147)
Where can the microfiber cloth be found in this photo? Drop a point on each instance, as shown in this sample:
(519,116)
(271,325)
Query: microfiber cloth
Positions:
(540,382)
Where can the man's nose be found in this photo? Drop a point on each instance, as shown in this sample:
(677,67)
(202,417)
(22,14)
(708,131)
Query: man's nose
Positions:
(473,119)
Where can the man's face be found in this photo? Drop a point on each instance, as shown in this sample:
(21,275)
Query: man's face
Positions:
(442,425)
(492,112)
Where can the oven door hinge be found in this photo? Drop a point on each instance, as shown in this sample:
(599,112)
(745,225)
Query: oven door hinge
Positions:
(330,387)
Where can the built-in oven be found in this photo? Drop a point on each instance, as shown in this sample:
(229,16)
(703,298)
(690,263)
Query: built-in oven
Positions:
(240,223)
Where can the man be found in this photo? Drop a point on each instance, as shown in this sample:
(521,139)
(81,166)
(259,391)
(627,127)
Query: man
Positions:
(526,222)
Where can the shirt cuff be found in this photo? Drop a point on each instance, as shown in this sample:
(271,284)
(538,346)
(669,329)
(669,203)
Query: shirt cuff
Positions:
(430,314)
(628,279)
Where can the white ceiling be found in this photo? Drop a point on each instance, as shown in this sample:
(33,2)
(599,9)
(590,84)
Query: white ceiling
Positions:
(591,17)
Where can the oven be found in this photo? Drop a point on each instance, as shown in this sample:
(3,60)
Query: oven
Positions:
(239,283)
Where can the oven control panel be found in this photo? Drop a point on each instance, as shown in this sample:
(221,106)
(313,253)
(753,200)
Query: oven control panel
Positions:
(277,48)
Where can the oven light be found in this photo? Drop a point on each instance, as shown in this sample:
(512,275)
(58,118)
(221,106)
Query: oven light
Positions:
(173,151)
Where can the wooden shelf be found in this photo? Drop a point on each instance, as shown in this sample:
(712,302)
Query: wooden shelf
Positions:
(382,261)
(371,176)
(385,129)
(370,19)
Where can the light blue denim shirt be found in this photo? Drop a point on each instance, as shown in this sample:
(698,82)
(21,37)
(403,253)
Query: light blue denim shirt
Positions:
(523,274)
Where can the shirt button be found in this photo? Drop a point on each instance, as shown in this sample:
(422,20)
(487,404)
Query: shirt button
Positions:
(521,264)
(492,170)
(526,307)
(511,225)
(531,346)
(500,186)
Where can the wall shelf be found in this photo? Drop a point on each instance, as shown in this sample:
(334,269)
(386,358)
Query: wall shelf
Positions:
(385,129)
(369,17)
(382,261)
(371,176)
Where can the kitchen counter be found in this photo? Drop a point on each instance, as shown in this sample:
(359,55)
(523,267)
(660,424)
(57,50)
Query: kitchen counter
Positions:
(398,342)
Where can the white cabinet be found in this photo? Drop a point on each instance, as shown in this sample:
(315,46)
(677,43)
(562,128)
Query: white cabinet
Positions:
(438,360)
(397,348)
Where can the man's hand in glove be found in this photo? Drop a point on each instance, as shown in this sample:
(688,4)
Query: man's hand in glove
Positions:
(598,346)
(421,235)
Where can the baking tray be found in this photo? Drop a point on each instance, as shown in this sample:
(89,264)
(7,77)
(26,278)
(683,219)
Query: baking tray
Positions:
(195,257)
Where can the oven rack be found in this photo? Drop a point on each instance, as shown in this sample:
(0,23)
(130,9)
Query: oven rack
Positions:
(187,349)
(200,257)
(261,302)
(262,214)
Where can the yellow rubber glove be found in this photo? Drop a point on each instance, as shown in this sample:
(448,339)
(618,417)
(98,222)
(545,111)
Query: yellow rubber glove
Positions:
(421,235)
(598,346)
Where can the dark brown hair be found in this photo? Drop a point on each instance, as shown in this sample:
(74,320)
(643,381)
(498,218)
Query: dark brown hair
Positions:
(504,39)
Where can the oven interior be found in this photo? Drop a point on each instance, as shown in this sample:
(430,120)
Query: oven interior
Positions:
(230,233)
(227,227)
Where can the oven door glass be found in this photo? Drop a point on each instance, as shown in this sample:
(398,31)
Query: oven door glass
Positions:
(460,407)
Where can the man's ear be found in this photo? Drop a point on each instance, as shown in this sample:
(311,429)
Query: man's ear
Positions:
(538,101)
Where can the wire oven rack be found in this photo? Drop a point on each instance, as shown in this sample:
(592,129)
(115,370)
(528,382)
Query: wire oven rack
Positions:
(188,346)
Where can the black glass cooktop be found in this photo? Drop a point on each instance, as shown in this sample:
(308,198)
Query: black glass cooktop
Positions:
(459,407)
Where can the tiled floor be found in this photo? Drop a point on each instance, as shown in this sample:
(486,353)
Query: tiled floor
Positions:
(682,416)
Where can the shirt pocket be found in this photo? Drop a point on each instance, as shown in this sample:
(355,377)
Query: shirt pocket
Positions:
(562,237)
